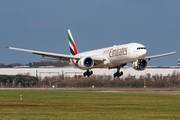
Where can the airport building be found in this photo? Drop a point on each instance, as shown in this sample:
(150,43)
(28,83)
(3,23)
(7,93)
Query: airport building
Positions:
(70,71)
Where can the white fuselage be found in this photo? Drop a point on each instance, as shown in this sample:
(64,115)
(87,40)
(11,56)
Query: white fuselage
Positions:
(117,54)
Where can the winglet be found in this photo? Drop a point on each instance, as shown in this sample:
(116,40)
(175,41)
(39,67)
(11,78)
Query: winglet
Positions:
(6,47)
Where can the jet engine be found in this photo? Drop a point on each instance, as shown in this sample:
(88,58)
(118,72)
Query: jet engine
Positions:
(140,65)
(85,63)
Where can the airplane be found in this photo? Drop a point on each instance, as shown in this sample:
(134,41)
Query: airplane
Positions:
(116,56)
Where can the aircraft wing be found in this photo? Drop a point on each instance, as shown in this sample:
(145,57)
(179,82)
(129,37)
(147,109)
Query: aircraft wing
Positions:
(55,56)
(160,55)
(47,54)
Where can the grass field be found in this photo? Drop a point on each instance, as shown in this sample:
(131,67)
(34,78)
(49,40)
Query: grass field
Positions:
(78,105)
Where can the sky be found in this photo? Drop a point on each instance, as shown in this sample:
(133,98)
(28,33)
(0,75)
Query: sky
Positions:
(42,25)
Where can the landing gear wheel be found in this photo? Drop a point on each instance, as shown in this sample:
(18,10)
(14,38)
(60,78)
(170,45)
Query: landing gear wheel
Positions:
(115,74)
(121,73)
(88,73)
(118,74)
(84,74)
(91,72)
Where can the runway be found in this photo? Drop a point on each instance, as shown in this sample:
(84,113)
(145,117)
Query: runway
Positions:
(175,91)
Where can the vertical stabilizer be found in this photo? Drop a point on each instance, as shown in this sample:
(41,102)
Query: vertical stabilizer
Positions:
(72,45)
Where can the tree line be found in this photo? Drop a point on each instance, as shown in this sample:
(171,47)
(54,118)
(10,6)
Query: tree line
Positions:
(17,81)
(61,81)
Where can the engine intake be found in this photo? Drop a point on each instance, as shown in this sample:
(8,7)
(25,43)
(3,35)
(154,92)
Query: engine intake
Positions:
(85,63)
(140,65)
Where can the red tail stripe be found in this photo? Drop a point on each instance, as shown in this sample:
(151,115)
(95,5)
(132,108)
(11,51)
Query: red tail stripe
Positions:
(75,48)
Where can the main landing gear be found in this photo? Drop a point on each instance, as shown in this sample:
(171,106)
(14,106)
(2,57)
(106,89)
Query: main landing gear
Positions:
(88,73)
(118,74)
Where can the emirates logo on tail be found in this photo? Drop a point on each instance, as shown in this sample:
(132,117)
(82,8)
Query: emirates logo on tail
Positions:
(72,45)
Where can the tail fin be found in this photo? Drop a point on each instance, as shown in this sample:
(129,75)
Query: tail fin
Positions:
(72,45)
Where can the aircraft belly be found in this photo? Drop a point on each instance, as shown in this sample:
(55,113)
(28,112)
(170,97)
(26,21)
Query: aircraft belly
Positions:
(121,59)
(117,59)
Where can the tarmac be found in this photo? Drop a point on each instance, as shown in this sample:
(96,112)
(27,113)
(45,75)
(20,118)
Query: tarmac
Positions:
(175,91)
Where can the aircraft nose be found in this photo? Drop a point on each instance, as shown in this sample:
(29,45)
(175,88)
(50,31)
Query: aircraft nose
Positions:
(145,52)
(142,54)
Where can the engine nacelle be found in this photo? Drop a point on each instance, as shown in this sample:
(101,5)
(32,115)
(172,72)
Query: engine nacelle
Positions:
(140,65)
(85,63)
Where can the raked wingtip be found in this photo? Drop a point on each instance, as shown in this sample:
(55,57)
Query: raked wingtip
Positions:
(6,47)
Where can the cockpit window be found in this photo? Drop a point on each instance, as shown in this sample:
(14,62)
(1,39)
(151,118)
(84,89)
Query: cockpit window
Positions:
(141,48)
